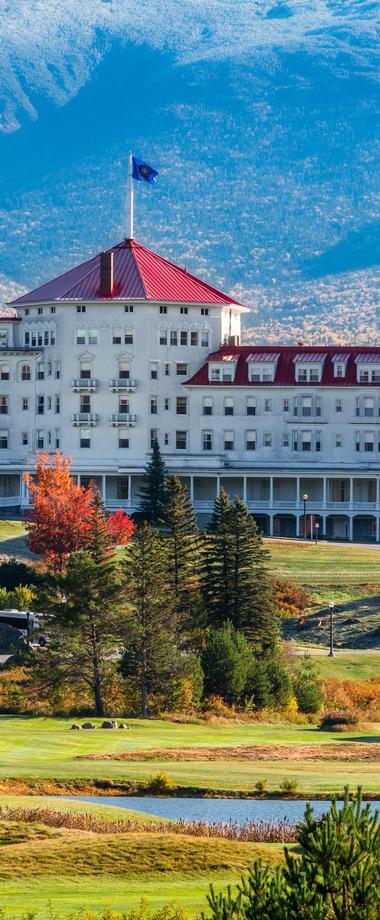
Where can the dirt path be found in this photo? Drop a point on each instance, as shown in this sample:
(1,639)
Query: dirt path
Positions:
(346,750)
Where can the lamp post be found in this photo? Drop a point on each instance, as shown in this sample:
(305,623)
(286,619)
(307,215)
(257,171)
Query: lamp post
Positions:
(331,607)
(305,500)
(316,531)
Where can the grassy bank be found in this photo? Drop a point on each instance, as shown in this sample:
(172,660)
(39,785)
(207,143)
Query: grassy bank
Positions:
(325,564)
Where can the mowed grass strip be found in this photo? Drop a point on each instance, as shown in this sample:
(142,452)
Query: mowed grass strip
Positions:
(348,666)
(130,855)
(323,564)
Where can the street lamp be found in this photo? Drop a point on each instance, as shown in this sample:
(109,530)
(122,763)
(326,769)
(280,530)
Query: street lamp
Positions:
(316,531)
(331,607)
(305,500)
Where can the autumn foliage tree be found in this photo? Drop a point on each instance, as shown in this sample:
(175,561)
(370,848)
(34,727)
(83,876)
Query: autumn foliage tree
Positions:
(60,518)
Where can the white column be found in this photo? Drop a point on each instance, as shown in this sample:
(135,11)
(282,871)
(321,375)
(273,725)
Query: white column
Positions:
(377,528)
(351,529)
(297,525)
(103,487)
(271,525)
(377,493)
(324,494)
(351,492)
(298,496)
(271,493)
(78,480)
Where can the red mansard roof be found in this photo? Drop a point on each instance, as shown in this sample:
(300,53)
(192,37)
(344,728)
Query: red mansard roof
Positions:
(139,274)
(288,357)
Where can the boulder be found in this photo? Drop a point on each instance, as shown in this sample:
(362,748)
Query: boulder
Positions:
(109,723)
(76,727)
(124,725)
(88,725)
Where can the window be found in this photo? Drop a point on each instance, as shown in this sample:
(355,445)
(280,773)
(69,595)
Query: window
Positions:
(123,405)
(314,375)
(3,338)
(52,310)
(368,441)
(128,338)
(40,405)
(163,337)
(181,369)
(308,374)
(40,310)
(26,338)
(153,370)
(85,370)
(40,372)
(49,368)
(285,405)
(52,337)
(339,370)
(85,403)
(215,374)
(93,336)
(27,311)
(250,440)
(181,405)
(81,336)
(369,407)
(25,372)
(166,403)
(40,440)
(204,311)
(57,404)
(267,405)
(251,405)
(228,406)
(204,339)
(123,370)
(49,403)
(163,309)
(57,370)
(181,440)
(228,440)
(207,440)
(267,439)
(338,440)
(306,406)
(4,372)
(123,439)
(33,339)
(85,438)
(128,308)
(285,439)
(183,337)
(116,337)
(193,338)
(81,308)
(173,337)
(57,439)
(338,405)
(167,370)
(25,404)
(166,440)
(49,438)
(122,488)
(25,439)
(207,405)
(46,337)
(3,405)
(153,405)
(3,440)
(261,372)
(183,310)
(153,437)
(39,338)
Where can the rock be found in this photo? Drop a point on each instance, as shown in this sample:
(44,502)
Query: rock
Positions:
(109,723)
(88,725)
(76,727)
(125,726)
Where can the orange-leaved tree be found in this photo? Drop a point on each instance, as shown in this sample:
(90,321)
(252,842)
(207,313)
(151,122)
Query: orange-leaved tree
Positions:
(120,528)
(58,521)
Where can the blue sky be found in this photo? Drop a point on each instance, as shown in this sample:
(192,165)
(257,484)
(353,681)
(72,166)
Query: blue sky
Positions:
(262,117)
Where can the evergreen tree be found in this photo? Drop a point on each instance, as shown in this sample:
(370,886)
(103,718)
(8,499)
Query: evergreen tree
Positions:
(152,492)
(307,687)
(237,585)
(184,554)
(84,608)
(226,663)
(151,661)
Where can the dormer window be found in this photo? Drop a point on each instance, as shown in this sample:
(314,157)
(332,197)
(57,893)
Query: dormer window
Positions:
(368,368)
(340,362)
(3,338)
(222,371)
(309,367)
(262,367)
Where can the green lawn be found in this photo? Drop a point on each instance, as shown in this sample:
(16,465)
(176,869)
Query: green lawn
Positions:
(12,538)
(46,748)
(322,564)
(348,666)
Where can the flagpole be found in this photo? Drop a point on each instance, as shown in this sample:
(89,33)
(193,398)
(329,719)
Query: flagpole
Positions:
(130,198)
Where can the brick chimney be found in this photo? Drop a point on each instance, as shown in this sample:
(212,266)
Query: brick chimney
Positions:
(106,274)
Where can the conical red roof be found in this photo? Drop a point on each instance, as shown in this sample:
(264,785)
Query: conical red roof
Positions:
(139,274)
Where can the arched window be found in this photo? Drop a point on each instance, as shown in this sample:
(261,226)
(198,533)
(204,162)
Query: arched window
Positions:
(25,372)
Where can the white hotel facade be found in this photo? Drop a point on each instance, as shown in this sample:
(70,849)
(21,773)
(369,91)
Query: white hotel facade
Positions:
(128,347)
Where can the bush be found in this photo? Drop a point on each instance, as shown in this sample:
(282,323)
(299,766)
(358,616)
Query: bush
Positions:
(338,721)
(289,786)
(269,684)
(308,687)
(226,663)
(291,599)
(354,696)
(14,573)
(161,784)
(261,785)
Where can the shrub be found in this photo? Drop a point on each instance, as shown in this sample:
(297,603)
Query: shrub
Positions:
(337,721)
(308,687)
(261,785)
(291,599)
(161,784)
(360,696)
(226,662)
(289,786)
(14,573)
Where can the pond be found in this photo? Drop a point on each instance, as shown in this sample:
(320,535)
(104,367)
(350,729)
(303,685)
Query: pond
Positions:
(211,810)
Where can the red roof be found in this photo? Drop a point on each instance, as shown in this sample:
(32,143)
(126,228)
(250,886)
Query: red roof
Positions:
(139,274)
(288,358)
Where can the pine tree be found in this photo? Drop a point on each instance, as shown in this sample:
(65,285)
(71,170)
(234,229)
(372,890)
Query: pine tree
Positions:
(152,491)
(151,661)
(226,663)
(184,554)
(237,585)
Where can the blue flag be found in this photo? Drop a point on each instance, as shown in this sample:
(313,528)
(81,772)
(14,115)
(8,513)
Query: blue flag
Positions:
(142,172)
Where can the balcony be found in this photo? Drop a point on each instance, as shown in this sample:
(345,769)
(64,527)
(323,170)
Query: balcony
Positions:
(87,419)
(125,384)
(84,384)
(123,419)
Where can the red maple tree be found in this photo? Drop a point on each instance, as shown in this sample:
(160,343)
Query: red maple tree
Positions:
(60,518)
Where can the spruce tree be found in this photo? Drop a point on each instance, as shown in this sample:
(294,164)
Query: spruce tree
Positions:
(152,491)
(151,661)
(184,554)
(226,663)
(237,585)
